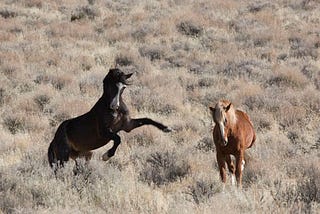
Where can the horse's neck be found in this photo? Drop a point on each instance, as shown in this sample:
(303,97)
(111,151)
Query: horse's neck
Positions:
(232,118)
(101,104)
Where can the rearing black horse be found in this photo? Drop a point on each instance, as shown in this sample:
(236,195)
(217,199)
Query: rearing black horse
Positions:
(76,137)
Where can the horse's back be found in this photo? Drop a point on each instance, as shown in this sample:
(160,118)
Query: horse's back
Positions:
(82,133)
(246,125)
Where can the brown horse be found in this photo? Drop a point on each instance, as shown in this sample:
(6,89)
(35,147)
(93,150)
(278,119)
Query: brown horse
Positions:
(233,133)
(78,136)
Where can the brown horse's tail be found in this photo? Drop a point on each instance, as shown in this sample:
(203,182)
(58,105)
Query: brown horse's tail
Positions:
(253,139)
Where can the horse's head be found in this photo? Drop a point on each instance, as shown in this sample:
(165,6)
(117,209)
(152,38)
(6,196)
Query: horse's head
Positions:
(113,86)
(223,115)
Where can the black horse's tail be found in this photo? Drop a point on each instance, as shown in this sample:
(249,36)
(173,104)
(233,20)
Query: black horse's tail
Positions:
(59,150)
(51,155)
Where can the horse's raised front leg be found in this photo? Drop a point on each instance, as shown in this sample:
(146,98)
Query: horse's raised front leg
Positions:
(116,142)
(131,124)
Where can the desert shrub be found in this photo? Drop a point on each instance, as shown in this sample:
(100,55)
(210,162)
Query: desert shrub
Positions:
(14,124)
(206,82)
(32,163)
(123,60)
(58,118)
(189,28)
(85,66)
(287,78)
(291,115)
(257,6)
(284,194)
(253,172)
(261,41)
(175,61)
(8,200)
(303,5)
(262,122)
(141,32)
(5,13)
(90,84)
(282,56)
(313,73)
(151,52)
(85,12)
(309,185)
(300,49)
(42,100)
(2,96)
(34,3)
(306,189)
(206,144)
(146,99)
(201,191)
(244,69)
(163,168)
(200,67)
(316,145)
(255,102)
(143,139)
(42,79)
(9,70)
(22,188)
(58,82)
(91,2)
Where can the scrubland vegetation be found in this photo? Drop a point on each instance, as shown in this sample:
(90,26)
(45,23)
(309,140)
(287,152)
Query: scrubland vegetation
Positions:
(186,55)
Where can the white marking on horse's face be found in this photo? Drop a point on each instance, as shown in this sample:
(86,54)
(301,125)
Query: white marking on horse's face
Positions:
(115,104)
(219,118)
(223,135)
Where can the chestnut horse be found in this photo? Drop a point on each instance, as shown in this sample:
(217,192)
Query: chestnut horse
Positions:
(233,133)
(78,136)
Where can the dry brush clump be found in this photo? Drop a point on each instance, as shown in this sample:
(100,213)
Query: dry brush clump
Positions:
(201,191)
(163,168)
(185,55)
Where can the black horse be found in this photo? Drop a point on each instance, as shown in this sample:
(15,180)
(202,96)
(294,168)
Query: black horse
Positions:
(76,137)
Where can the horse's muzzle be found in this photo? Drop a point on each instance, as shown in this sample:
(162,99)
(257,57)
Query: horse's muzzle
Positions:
(224,143)
(114,107)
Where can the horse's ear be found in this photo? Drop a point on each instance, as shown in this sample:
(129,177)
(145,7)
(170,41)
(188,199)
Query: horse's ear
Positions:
(228,107)
(127,76)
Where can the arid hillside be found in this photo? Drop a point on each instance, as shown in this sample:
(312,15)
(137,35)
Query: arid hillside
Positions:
(264,56)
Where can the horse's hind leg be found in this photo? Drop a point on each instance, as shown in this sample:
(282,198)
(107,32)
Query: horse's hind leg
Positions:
(116,142)
(63,153)
(87,156)
(135,123)
(79,168)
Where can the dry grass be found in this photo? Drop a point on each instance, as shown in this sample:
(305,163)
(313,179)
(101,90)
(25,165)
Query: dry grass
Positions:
(264,57)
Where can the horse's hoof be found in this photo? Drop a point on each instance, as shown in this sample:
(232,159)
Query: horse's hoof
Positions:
(105,157)
(167,130)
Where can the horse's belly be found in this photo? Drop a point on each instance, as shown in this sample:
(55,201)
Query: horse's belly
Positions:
(88,145)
